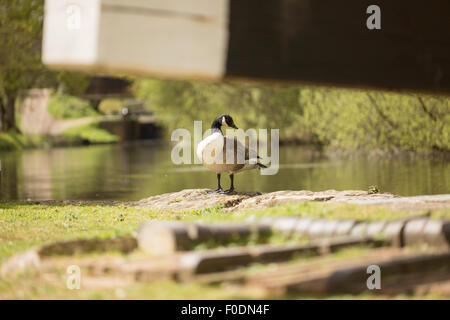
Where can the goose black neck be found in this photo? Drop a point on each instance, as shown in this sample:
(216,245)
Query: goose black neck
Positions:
(216,126)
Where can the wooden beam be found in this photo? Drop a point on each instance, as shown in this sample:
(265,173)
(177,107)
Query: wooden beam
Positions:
(297,41)
(327,42)
(399,274)
(216,260)
(163,237)
(182,39)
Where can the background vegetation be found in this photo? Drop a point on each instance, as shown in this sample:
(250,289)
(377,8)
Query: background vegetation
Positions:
(340,118)
(63,106)
(90,133)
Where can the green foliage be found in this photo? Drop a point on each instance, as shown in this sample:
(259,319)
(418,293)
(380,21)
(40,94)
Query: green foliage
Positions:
(90,132)
(21,30)
(11,141)
(20,67)
(72,82)
(336,118)
(64,106)
(352,119)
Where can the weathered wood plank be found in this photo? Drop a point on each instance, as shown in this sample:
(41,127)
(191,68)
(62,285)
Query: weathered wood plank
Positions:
(302,41)
(437,233)
(398,274)
(163,237)
(152,37)
(289,269)
(32,259)
(83,246)
(211,261)
(393,230)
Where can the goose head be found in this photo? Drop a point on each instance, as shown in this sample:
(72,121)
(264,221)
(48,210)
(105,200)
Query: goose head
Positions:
(223,120)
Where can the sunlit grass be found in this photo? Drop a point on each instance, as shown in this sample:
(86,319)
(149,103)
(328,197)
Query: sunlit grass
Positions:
(24,225)
(16,141)
(89,132)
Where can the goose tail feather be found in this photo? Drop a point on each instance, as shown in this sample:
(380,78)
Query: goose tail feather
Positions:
(261,166)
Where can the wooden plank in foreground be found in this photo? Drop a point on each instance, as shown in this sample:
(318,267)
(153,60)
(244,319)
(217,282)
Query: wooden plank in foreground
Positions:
(33,258)
(399,274)
(210,261)
(303,41)
(189,266)
(413,230)
(163,237)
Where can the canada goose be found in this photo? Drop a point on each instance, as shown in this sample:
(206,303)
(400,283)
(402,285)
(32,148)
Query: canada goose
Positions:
(217,141)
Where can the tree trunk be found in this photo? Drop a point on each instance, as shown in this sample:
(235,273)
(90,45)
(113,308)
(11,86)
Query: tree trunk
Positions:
(8,115)
(2,115)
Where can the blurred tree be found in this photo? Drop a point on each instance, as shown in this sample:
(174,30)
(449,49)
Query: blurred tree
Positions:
(20,54)
(20,67)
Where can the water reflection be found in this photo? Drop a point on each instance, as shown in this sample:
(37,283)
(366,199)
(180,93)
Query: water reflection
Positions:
(138,170)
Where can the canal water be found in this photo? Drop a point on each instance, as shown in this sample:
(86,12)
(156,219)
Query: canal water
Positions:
(138,170)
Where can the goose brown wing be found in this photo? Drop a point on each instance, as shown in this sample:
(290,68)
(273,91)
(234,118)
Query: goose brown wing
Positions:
(236,146)
(233,142)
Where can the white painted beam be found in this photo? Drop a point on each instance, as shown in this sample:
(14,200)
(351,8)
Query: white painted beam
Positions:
(169,38)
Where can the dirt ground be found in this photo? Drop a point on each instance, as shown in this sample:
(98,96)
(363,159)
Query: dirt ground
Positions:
(195,199)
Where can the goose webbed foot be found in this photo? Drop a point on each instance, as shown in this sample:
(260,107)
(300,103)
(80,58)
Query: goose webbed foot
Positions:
(229,191)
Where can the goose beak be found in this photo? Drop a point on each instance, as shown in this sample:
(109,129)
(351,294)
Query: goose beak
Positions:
(234,126)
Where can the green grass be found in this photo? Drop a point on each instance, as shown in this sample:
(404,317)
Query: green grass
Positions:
(90,132)
(24,225)
(311,210)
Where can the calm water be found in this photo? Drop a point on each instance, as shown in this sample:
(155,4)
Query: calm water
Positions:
(138,170)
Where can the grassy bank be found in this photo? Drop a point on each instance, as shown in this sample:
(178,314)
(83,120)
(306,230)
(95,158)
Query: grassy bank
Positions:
(16,141)
(24,225)
(84,134)
(89,133)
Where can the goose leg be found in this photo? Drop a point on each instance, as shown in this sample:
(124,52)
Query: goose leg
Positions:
(219,188)
(231,186)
